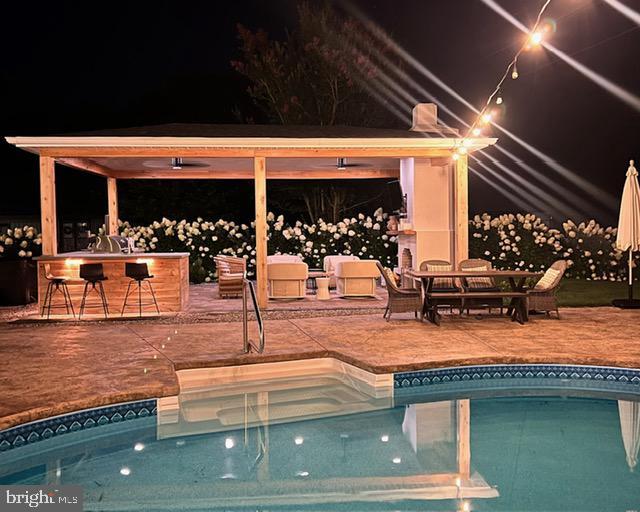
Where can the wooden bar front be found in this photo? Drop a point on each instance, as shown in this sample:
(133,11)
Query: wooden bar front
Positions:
(170,282)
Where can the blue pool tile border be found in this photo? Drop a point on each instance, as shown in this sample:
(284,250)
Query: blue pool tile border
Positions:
(430,377)
(40,430)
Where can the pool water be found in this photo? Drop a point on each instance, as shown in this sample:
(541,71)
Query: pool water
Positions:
(324,444)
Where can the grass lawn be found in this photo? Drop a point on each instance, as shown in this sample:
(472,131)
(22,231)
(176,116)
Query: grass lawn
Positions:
(577,292)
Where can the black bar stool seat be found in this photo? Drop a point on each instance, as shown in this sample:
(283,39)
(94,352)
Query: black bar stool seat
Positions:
(93,274)
(139,275)
(56,284)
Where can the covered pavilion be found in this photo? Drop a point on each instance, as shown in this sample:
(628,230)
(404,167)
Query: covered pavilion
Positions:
(434,183)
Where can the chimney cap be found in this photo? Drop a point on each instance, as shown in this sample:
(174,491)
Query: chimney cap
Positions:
(425,119)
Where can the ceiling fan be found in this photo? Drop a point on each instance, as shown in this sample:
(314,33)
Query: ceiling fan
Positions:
(342,164)
(177,163)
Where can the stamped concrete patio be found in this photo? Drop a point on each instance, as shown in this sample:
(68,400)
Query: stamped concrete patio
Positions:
(52,369)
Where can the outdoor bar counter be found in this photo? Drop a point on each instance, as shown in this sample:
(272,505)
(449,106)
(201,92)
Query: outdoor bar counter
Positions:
(170,281)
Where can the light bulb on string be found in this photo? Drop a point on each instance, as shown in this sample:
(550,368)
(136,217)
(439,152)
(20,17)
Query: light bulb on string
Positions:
(486,117)
(477,132)
(514,73)
(499,99)
(536,38)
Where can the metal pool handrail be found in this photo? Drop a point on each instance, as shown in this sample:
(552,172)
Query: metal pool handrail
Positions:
(249,344)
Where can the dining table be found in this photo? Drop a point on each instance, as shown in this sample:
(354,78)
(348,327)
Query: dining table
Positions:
(517,295)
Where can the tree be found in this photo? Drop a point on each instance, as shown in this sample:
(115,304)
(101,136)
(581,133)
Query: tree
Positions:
(321,74)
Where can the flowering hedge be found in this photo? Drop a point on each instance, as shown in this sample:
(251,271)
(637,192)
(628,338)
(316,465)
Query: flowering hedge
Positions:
(509,241)
(19,243)
(362,235)
(524,241)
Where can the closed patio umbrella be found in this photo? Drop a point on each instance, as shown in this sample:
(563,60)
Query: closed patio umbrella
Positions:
(630,426)
(629,229)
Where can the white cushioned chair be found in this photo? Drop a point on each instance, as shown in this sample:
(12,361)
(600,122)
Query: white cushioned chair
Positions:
(287,280)
(284,258)
(357,278)
(329,264)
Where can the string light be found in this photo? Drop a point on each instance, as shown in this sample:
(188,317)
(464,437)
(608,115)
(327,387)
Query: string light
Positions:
(536,38)
(485,115)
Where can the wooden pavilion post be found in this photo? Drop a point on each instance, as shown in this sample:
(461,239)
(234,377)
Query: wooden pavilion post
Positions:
(112,200)
(48,206)
(461,198)
(260,180)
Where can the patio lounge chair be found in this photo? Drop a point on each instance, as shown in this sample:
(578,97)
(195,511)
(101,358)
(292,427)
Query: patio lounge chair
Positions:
(401,300)
(542,297)
(479,284)
(231,273)
(329,264)
(357,278)
(287,280)
(442,284)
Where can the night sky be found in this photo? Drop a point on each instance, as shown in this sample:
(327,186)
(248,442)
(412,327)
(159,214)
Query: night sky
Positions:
(74,66)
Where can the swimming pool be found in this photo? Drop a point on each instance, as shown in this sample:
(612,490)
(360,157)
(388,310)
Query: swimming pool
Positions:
(334,442)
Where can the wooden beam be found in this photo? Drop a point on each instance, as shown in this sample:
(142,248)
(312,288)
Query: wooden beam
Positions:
(464,438)
(84,164)
(461,208)
(441,161)
(260,180)
(112,208)
(241,152)
(48,206)
(273,174)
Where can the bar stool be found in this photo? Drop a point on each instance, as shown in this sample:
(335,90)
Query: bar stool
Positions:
(93,274)
(56,284)
(139,274)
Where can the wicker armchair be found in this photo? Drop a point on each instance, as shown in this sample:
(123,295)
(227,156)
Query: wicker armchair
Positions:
(479,284)
(231,272)
(443,284)
(401,300)
(542,297)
